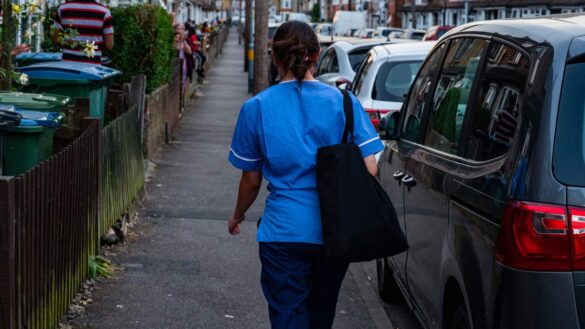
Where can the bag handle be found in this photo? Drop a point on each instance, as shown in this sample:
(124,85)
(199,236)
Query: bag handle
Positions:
(348,110)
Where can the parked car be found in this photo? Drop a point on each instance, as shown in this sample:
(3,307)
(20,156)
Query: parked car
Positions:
(385,76)
(324,29)
(341,60)
(350,32)
(484,164)
(367,33)
(407,34)
(436,32)
(383,32)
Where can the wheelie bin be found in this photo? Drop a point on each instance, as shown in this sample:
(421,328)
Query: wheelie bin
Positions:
(76,80)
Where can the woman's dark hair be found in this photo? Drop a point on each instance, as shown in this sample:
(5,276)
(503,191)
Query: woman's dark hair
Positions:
(294,47)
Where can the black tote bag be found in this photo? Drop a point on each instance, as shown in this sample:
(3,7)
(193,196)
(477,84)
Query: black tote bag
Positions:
(359,220)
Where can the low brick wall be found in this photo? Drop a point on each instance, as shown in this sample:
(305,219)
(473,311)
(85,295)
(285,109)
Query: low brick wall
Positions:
(163,110)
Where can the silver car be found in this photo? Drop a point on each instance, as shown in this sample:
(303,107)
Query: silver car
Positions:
(386,74)
(341,60)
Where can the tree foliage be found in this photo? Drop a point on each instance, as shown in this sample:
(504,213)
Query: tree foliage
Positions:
(143,43)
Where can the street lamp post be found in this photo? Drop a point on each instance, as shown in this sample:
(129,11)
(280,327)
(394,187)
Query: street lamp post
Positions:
(413,4)
(445,13)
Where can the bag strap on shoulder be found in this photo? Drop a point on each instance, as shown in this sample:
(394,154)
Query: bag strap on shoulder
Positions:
(348,110)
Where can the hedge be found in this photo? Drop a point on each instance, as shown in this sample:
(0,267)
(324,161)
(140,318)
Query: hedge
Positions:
(143,43)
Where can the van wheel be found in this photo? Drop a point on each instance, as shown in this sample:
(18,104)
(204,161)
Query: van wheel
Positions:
(387,286)
(460,319)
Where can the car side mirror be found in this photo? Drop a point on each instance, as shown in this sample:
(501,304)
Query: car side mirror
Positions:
(389,125)
(343,83)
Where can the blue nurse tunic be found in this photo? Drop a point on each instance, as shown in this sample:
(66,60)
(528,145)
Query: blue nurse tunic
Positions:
(278,132)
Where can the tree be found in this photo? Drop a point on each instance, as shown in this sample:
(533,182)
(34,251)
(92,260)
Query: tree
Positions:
(7,44)
(261,61)
(316,13)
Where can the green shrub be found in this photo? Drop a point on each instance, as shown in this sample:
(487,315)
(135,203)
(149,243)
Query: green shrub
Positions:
(143,43)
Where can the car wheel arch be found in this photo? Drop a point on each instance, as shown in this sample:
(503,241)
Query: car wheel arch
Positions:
(453,297)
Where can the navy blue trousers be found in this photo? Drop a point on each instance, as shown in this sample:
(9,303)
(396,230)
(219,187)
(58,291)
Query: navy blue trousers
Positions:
(300,286)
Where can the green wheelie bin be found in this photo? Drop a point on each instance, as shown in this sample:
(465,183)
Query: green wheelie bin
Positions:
(35,102)
(30,143)
(76,80)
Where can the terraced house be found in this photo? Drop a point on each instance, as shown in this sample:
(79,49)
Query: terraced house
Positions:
(456,12)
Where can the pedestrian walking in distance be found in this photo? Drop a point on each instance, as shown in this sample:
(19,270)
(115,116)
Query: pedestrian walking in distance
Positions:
(276,137)
(81,25)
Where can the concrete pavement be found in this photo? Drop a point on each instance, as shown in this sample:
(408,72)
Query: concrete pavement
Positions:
(183,270)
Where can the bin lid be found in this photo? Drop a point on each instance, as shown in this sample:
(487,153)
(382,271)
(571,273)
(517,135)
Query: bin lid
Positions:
(9,119)
(6,107)
(43,119)
(30,57)
(69,72)
(34,101)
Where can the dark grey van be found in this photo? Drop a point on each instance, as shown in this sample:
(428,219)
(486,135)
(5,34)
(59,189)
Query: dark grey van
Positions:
(486,166)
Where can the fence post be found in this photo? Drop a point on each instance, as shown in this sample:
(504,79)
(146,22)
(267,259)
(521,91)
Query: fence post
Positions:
(7,254)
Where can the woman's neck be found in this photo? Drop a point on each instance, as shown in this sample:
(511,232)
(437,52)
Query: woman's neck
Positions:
(290,76)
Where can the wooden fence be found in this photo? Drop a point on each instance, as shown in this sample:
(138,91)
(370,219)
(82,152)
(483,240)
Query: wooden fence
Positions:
(122,174)
(46,216)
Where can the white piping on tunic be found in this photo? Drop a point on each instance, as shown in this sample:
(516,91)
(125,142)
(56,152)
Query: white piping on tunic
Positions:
(242,158)
(369,141)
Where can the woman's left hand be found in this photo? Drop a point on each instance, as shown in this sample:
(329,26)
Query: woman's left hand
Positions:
(234,224)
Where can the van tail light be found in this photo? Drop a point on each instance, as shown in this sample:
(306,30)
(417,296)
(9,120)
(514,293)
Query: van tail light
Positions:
(542,237)
(578,237)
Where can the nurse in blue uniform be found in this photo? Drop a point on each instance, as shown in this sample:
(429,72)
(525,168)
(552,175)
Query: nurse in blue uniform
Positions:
(276,138)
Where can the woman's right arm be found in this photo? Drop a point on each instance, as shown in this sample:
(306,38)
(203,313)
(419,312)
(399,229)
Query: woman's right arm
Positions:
(371,164)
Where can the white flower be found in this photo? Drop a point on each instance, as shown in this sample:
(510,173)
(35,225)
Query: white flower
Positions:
(89,49)
(23,79)
(28,34)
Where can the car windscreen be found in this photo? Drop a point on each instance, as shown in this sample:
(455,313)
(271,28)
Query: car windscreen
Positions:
(394,79)
(271,31)
(356,57)
(569,153)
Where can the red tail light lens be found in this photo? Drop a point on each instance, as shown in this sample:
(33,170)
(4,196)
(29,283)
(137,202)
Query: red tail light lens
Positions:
(542,237)
(534,237)
(578,238)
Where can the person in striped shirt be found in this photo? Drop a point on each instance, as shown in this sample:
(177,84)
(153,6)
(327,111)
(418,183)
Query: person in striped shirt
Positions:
(83,29)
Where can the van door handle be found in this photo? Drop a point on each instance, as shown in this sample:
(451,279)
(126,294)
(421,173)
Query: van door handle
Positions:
(408,181)
(398,175)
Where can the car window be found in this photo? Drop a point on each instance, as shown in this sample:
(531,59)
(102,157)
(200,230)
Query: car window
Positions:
(418,96)
(325,62)
(451,97)
(334,63)
(394,79)
(495,116)
(569,152)
(361,75)
(356,57)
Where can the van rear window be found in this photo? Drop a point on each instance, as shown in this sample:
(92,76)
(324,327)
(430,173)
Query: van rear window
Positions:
(569,153)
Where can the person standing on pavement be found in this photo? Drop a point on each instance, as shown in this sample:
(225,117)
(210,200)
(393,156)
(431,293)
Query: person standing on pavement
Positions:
(276,137)
(197,53)
(185,53)
(84,29)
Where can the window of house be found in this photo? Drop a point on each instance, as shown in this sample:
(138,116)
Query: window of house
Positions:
(495,119)
(452,94)
(419,96)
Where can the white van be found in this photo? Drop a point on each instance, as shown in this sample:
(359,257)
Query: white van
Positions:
(344,21)
(297,17)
